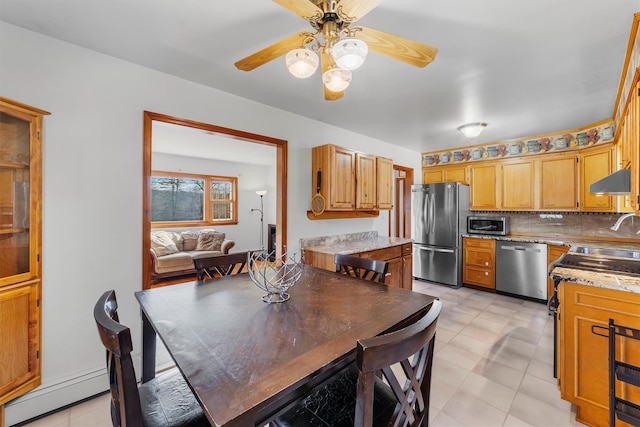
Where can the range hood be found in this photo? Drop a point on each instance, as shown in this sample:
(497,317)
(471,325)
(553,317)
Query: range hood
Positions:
(618,183)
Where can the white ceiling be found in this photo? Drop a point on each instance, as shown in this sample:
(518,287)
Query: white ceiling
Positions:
(523,66)
(178,140)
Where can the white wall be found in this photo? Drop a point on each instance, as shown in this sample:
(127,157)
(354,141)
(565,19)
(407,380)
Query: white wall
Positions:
(251,177)
(92,206)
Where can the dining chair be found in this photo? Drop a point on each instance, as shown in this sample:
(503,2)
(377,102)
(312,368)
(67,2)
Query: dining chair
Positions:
(362,268)
(390,387)
(165,401)
(220,265)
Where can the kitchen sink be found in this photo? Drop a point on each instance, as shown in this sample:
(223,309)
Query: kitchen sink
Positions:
(601,263)
(607,252)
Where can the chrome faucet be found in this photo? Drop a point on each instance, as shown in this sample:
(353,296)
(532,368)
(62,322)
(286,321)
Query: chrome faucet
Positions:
(615,226)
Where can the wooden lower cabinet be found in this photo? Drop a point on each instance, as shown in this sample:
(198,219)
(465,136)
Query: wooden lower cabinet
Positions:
(479,257)
(19,339)
(399,259)
(553,253)
(399,274)
(583,355)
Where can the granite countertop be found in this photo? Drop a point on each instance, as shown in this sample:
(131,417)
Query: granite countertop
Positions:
(613,280)
(528,239)
(368,241)
(571,242)
(346,244)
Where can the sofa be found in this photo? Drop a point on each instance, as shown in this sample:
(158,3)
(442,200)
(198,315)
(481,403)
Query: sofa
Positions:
(172,253)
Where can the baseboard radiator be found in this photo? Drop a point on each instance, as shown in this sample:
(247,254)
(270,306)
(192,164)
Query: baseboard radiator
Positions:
(57,394)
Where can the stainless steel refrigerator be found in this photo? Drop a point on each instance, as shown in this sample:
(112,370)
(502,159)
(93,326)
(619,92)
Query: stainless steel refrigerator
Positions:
(438,218)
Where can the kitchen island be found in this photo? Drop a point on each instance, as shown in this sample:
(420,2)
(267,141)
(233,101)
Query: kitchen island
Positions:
(397,251)
(586,300)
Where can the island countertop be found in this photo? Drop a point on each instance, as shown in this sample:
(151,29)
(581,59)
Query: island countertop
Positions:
(614,280)
(396,251)
(347,244)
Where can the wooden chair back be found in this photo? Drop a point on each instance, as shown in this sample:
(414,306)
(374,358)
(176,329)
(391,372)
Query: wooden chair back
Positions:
(412,348)
(362,268)
(221,265)
(116,338)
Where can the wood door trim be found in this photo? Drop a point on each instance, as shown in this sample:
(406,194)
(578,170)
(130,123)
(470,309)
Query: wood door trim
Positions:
(406,197)
(281,179)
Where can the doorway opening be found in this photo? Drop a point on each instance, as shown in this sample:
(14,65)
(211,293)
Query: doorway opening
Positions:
(400,216)
(281,178)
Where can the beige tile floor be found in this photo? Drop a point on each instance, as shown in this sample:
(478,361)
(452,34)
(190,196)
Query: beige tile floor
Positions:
(492,367)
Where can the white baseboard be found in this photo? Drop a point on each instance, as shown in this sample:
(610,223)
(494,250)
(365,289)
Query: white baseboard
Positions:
(57,394)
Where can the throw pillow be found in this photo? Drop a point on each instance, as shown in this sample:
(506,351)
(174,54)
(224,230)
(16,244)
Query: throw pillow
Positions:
(162,244)
(209,240)
(190,239)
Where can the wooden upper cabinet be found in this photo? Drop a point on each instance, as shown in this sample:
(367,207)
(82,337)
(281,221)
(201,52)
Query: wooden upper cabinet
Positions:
(453,173)
(558,182)
(365,181)
(456,174)
(633,150)
(20,248)
(352,180)
(484,192)
(595,163)
(384,183)
(338,170)
(518,185)
(432,175)
(628,138)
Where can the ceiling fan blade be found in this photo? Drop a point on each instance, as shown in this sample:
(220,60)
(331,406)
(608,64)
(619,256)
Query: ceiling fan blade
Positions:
(352,10)
(405,50)
(303,8)
(272,52)
(327,62)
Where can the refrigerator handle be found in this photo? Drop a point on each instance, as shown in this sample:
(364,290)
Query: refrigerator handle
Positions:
(422,248)
(432,213)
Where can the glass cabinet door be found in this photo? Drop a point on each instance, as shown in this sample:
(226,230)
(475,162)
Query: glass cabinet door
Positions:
(16,133)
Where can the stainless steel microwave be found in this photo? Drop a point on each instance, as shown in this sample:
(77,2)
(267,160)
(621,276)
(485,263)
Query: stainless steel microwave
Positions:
(497,225)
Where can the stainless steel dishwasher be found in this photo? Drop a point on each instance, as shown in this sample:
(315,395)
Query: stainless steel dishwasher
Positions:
(521,269)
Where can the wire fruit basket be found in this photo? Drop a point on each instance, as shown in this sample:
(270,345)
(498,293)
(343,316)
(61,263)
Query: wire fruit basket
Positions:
(275,275)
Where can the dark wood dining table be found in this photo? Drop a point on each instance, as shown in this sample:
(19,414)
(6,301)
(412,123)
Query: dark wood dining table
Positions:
(246,360)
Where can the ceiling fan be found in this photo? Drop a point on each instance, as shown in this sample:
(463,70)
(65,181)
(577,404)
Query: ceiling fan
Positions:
(342,48)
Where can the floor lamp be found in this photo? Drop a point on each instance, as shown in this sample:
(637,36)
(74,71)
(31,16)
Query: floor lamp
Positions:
(261,193)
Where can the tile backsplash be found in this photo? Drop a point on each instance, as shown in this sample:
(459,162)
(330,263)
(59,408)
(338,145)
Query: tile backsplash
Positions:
(571,223)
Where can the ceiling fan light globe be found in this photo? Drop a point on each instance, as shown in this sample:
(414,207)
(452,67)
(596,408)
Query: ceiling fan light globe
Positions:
(302,63)
(349,53)
(336,79)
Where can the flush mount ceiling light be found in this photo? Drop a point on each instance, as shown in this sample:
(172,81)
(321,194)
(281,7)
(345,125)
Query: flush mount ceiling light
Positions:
(472,130)
(341,48)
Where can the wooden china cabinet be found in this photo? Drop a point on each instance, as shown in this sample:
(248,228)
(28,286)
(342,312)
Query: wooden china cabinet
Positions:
(20,249)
